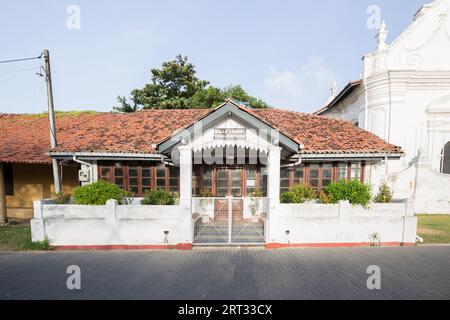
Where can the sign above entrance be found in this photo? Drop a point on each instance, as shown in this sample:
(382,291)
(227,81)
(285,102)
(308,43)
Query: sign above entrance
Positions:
(230,134)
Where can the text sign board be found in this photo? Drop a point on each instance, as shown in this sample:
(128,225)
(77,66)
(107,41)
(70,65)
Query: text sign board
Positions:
(230,134)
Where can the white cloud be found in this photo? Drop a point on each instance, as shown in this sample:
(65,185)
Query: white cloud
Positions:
(305,88)
(283,82)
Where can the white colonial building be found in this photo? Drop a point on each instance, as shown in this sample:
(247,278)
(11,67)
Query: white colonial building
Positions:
(404,98)
(229,167)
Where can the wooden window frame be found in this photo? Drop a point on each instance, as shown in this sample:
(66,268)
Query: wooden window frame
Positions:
(139,165)
(335,172)
(200,173)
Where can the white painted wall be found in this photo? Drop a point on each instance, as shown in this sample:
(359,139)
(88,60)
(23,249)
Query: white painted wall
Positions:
(75,225)
(342,223)
(438,185)
(406,101)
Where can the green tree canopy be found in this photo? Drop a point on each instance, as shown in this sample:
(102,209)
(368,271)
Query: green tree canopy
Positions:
(176,86)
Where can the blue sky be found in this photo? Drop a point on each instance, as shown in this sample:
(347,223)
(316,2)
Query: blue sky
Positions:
(286,52)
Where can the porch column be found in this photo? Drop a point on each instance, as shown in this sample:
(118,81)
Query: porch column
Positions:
(3,216)
(185,175)
(273,175)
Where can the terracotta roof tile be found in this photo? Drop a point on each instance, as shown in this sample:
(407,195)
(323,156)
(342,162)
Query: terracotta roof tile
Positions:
(25,138)
(325,135)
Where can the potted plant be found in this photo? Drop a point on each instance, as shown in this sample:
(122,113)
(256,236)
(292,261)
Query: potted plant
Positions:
(255,206)
(207,206)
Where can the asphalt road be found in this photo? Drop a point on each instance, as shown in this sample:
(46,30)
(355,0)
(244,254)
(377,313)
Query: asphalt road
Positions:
(406,273)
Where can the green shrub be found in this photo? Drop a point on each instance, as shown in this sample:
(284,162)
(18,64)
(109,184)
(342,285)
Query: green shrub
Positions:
(353,191)
(158,197)
(304,193)
(128,198)
(288,197)
(325,198)
(299,194)
(206,194)
(257,194)
(384,194)
(62,198)
(40,245)
(98,193)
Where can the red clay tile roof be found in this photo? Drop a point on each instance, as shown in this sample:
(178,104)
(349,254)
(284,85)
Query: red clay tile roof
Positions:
(25,138)
(325,135)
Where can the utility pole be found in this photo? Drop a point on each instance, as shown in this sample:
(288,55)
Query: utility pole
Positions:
(51,119)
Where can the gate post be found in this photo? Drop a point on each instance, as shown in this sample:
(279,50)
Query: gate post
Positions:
(230,218)
(185,176)
(273,175)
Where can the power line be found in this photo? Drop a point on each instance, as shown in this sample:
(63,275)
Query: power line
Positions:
(22,59)
(19,70)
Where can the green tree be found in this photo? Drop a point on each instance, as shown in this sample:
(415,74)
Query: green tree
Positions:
(176,86)
(207,98)
(171,87)
(240,95)
(212,97)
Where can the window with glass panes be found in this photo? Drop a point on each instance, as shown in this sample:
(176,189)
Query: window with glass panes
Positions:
(161,175)
(133,179)
(119,175)
(251,177)
(236,182)
(196,186)
(313,178)
(263,183)
(174,179)
(327,175)
(255,181)
(222,182)
(207,181)
(285,179)
(146,178)
(298,175)
(138,177)
(319,175)
(355,171)
(342,171)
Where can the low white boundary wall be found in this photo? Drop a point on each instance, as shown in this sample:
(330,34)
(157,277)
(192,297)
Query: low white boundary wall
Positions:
(112,224)
(292,224)
(288,224)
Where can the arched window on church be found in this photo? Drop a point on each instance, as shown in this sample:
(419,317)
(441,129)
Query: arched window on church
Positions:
(445,164)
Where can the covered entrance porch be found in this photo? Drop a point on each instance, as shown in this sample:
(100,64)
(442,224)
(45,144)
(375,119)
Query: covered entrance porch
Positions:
(229,204)
(230,193)
(229,174)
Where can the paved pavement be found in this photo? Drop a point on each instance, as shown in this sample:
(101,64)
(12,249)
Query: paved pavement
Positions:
(406,273)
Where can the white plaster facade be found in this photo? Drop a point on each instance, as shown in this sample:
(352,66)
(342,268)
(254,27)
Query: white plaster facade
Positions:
(115,225)
(227,219)
(404,98)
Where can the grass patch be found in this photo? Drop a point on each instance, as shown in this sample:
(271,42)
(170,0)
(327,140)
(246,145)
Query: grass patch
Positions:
(58,114)
(18,238)
(434,228)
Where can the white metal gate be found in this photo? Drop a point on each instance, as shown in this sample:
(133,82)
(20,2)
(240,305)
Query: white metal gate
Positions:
(229,221)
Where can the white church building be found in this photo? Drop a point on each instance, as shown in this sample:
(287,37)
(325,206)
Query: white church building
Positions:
(404,98)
